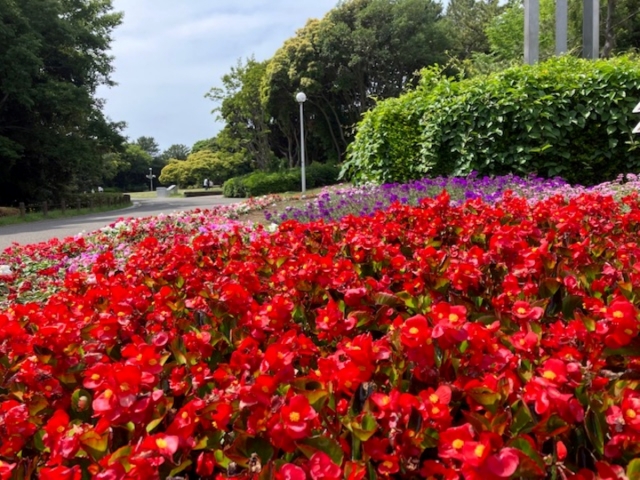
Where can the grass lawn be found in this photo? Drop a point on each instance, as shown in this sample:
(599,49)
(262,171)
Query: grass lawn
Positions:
(53,214)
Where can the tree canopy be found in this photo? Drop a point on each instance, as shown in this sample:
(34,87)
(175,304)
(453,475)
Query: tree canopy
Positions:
(53,133)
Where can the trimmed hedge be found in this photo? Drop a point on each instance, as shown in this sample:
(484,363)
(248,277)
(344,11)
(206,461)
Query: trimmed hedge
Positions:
(263,183)
(565,117)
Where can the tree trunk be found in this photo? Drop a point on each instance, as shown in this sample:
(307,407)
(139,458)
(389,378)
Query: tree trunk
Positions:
(333,135)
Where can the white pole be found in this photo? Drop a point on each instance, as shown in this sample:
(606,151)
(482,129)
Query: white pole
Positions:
(301,98)
(302,162)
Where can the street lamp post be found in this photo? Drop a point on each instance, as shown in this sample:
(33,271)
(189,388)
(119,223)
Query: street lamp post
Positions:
(150,179)
(301,98)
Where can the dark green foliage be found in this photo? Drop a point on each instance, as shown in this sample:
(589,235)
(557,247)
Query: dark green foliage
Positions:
(566,117)
(53,133)
(262,183)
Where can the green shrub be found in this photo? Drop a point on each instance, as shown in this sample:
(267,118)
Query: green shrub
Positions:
(387,142)
(263,183)
(233,188)
(566,117)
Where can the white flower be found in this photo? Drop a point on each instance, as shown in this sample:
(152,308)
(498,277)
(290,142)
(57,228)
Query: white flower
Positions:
(272,227)
(5,271)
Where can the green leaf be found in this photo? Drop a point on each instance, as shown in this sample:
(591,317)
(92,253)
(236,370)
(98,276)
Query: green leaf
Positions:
(569,304)
(180,468)
(531,463)
(221,458)
(365,430)
(633,469)
(94,444)
(387,299)
(595,428)
(485,397)
(522,419)
(309,446)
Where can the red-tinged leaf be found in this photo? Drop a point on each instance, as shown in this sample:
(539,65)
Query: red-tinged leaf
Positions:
(531,463)
(365,430)
(387,299)
(210,441)
(548,287)
(569,304)
(630,351)
(485,397)
(94,444)
(309,446)
(180,468)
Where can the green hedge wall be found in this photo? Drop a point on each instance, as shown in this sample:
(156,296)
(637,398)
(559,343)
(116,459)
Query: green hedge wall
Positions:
(263,183)
(565,117)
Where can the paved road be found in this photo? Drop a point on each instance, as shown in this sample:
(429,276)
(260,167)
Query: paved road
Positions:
(34,232)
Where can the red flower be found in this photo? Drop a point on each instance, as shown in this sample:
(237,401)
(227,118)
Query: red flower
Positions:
(60,473)
(165,445)
(415,332)
(205,464)
(321,467)
(297,417)
(524,311)
(453,440)
(5,470)
(289,471)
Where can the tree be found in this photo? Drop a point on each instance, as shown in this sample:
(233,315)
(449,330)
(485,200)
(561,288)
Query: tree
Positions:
(361,51)
(206,144)
(53,134)
(149,145)
(177,151)
(240,107)
(132,168)
(216,166)
(466,22)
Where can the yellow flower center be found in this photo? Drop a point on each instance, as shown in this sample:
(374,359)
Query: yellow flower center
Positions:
(433,398)
(414,331)
(479,450)
(453,318)
(387,464)
(631,413)
(153,362)
(60,429)
(435,411)
(521,310)
(161,443)
(95,376)
(618,314)
(108,394)
(458,444)
(294,416)
(549,375)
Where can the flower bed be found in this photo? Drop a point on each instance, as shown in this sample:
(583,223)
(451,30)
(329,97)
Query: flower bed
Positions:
(488,341)
(336,202)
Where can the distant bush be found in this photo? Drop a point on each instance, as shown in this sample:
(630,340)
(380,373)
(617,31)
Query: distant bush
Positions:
(264,183)
(565,117)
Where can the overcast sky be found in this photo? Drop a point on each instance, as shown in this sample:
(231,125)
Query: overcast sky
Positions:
(169,53)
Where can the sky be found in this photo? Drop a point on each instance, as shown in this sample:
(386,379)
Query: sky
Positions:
(168,55)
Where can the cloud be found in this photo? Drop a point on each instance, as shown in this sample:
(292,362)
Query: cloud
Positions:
(168,54)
